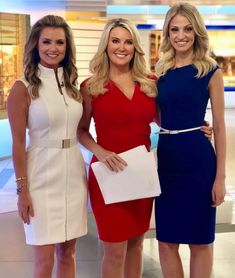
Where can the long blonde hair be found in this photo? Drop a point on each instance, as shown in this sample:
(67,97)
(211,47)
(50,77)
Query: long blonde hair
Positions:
(31,56)
(99,65)
(201,59)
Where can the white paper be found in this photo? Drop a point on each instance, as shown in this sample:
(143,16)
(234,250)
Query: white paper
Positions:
(138,180)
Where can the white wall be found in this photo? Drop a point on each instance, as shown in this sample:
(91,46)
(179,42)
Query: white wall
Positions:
(87,36)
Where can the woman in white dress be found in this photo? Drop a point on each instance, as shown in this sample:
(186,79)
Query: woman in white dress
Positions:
(50,171)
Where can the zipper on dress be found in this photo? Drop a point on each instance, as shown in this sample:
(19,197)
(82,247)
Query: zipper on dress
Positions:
(60,86)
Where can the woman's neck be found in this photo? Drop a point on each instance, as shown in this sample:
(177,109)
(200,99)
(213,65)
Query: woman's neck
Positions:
(183,59)
(119,73)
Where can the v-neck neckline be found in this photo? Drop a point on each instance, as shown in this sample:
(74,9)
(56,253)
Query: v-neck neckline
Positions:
(121,92)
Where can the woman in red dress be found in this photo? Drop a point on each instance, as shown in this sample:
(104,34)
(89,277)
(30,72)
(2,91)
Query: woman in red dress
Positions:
(120,96)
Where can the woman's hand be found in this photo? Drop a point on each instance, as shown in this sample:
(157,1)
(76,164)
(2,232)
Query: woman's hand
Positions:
(208,130)
(218,192)
(112,160)
(25,206)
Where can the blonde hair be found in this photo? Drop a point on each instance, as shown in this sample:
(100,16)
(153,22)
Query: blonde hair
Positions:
(31,56)
(201,59)
(99,65)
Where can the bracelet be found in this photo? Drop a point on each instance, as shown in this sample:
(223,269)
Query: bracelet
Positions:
(19,188)
(21,178)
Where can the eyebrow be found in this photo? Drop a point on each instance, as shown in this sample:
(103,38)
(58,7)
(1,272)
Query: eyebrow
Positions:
(190,24)
(49,39)
(114,37)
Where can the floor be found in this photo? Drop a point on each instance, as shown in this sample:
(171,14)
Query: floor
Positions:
(16,257)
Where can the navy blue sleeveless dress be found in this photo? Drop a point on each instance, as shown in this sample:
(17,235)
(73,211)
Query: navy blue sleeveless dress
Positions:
(186,161)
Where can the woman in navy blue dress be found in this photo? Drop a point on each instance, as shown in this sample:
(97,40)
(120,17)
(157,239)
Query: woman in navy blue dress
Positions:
(191,172)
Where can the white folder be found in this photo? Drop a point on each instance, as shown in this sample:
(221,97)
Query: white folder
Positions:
(138,180)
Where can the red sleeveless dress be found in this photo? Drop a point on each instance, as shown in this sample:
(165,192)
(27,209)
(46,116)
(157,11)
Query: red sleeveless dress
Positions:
(121,124)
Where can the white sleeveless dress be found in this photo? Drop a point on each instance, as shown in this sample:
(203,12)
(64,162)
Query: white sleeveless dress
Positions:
(56,176)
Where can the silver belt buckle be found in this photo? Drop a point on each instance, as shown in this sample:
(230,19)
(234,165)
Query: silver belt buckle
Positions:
(173,131)
(65,143)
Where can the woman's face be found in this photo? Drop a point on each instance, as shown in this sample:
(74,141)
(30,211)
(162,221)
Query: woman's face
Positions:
(181,34)
(51,47)
(120,47)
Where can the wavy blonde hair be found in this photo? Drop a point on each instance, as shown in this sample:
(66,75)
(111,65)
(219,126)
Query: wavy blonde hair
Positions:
(99,65)
(31,56)
(201,59)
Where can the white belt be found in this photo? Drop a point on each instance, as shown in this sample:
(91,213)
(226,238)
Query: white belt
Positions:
(54,143)
(168,131)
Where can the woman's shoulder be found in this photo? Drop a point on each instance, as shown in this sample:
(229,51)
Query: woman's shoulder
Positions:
(18,92)
(84,82)
(23,80)
(211,72)
(214,69)
(20,85)
(153,76)
(84,89)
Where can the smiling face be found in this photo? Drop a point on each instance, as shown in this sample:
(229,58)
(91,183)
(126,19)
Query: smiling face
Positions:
(51,47)
(120,47)
(181,34)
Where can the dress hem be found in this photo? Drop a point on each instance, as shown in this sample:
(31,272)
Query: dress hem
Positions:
(57,241)
(185,242)
(125,239)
